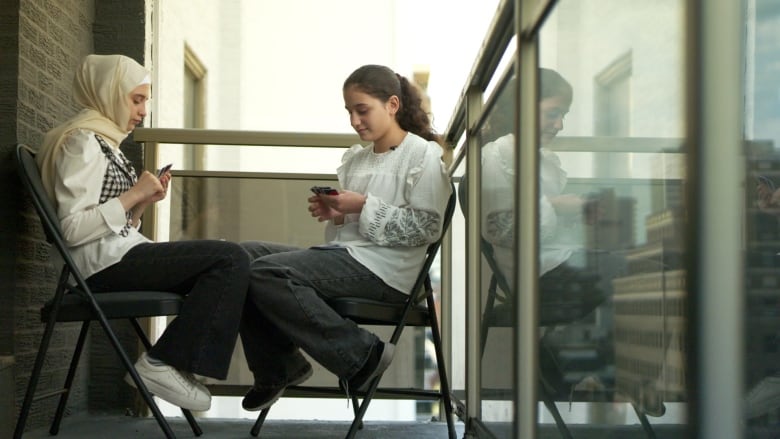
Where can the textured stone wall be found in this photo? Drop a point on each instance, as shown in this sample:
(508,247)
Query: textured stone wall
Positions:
(41,44)
(52,37)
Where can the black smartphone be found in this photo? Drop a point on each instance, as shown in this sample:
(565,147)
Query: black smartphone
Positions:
(326,190)
(164,169)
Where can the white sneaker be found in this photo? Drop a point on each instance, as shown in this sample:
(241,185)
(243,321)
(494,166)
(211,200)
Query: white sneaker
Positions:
(178,388)
(763,398)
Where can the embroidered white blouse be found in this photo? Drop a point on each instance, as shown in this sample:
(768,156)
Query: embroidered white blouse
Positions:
(407,189)
(498,199)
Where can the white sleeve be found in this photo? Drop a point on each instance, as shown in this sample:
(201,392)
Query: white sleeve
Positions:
(418,223)
(80,167)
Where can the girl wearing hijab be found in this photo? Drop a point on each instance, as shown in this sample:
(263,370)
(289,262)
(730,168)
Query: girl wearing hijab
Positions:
(100,199)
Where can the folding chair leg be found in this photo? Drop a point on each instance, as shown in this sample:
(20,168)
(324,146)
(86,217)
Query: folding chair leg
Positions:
(196,430)
(74,362)
(444,383)
(133,373)
(488,315)
(34,376)
(356,410)
(644,421)
(362,408)
(550,404)
(259,423)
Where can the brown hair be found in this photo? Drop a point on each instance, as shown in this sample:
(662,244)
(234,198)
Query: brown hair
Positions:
(381,82)
(501,118)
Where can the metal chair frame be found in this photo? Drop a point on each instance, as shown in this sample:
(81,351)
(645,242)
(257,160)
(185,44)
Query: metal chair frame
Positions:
(419,310)
(73,301)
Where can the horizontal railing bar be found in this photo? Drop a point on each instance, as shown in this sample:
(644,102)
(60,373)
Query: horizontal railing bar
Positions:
(328,392)
(534,23)
(253,175)
(493,47)
(238,137)
(618,144)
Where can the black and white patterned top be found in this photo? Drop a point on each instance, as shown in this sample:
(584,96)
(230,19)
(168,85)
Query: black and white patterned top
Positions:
(119,178)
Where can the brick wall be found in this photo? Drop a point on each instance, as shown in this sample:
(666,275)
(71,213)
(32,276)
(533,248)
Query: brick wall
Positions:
(42,42)
(9,68)
(52,38)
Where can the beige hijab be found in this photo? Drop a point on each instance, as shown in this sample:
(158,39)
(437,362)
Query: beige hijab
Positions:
(102,86)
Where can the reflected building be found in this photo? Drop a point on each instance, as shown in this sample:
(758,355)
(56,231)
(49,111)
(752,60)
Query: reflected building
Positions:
(649,323)
(762,278)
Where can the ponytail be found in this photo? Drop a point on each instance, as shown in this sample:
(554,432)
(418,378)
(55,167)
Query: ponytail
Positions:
(381,82)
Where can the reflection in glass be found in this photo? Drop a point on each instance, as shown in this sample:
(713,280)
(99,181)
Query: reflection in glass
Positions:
(762,219)
(574,279)
(613,298)
(623,363)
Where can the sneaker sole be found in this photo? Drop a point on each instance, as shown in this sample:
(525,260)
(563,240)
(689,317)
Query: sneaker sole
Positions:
(306,375)
(173,398)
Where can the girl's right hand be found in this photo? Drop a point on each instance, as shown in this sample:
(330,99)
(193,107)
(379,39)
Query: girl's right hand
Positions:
(321,210)
(148,185)
(147,189)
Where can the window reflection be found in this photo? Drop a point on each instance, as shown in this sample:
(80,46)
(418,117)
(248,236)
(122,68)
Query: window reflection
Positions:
(622,146)
(762,260)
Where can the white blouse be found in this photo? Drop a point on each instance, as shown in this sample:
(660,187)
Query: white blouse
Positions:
(91,230)
(407,189)
(498,200)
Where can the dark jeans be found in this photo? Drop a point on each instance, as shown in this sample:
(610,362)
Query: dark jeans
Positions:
(213,275)
(285,311)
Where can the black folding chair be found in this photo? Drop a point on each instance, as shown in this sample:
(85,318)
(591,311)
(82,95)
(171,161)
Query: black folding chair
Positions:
(419,310)
(73,301)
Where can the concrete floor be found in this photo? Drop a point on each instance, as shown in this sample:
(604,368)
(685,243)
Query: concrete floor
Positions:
(124,427)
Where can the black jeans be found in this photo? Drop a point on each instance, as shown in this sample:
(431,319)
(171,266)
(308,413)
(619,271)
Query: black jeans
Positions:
(213,275)
(286,311)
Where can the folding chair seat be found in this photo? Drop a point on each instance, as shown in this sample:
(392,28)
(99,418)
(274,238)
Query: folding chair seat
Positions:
(419,311)
(73,301)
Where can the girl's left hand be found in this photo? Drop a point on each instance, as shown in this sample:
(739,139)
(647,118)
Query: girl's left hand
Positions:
(325,207)
(165,179)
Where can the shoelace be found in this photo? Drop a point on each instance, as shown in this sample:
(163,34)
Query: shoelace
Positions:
(345,385)
(189,380)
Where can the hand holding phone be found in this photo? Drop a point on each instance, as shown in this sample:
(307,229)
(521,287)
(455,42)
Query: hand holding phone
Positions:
(324,190)
(164,169)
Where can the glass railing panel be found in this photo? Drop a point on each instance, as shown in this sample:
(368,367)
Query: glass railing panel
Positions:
(457,296)
(498,295)
(258,206)
(762,229)
(251,158)
(618,358)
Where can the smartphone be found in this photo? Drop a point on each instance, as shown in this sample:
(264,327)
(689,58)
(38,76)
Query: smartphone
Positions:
(164,169)
(326,190)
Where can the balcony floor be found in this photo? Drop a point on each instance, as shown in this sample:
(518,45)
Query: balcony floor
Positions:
(124,427)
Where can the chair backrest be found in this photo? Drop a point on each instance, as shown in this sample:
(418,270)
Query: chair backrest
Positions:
(422,285)
(31,179)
